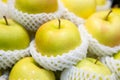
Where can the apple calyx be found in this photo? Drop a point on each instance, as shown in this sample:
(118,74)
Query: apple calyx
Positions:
(106,18)
(59,23)
(6,21)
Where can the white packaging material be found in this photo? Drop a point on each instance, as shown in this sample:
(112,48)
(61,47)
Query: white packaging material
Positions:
(9,58)
(107,6)
(3,9)
(114,65)
(74,73)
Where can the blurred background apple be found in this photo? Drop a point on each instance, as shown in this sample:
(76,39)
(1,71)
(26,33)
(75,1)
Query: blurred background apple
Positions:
(82,8)
(36,6)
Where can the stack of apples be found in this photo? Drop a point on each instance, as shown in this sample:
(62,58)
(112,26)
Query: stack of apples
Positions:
(33,13)
(59,47)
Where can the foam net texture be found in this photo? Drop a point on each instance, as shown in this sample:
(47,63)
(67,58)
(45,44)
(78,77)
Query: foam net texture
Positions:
(33,21)
(95,48)
(4,76)
(8,58)
(3,9)
(64,61)
(71,16)
(107,6)
(74,73)
(113,65)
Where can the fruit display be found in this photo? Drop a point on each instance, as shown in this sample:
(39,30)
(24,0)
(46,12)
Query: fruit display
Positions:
(59,40)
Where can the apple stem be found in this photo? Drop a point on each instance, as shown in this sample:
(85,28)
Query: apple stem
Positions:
(59,23)
(106,18)
(5,20)
(96,61)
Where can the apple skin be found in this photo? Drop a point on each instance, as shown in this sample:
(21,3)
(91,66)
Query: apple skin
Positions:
(51,40)
(36,6)
(101,2)
(116,10)
(82,8)
(13,36)
(117,56)
(5,1)
(104,31)
(28,69)
(89,65)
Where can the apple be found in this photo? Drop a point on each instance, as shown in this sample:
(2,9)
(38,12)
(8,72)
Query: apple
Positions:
(101,2)
(82,8)
(117,56)
(5,1)
(28,69)
(116,10)
(12,35)
(56,37)
(36,6)
(104,26)
(92,65)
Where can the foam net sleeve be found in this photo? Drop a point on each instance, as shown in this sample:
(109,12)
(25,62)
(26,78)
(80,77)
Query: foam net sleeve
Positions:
(114,65)
(9,58)
(74,73)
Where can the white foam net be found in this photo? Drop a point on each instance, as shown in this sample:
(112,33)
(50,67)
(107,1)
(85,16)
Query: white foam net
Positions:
(64,61)
(33,21)
(4,76)
(114,65)
(107,6)
(8,58)
(3,9)
(74,73)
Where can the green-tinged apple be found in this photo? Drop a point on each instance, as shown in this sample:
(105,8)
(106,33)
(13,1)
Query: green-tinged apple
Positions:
(116,10)
(36,6)
(117,56)
(104,26)
(57,37)
(12,35)
(101,2)
(92,65)
(82,8)
(28,69)
(5,1)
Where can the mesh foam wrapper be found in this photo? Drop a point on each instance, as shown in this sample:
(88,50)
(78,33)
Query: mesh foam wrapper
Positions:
(71,16)
(9,58)
(75,73)
(4,76)
(113,65)
(33,21)
(107,6)
(95,48)
(64,61)
(3,9)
